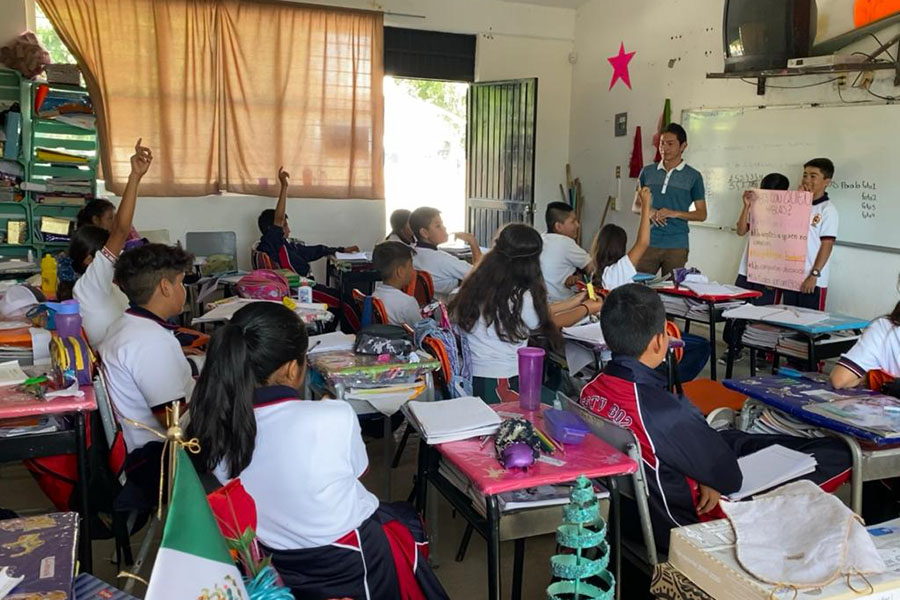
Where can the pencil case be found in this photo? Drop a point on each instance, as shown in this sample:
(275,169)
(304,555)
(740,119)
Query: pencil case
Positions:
(565,427)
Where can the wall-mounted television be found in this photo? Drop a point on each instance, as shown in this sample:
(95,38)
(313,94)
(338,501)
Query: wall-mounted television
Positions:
(765,34)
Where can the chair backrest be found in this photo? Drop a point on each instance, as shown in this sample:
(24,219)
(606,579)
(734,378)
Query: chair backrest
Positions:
(626,442)
(674,332)
(379,312)
(207,243)
(421,287)
(437,349)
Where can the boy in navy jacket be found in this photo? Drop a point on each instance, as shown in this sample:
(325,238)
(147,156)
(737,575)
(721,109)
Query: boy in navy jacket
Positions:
(688,464)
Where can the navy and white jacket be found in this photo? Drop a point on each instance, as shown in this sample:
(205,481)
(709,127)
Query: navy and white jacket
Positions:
(678,448)
(291,254)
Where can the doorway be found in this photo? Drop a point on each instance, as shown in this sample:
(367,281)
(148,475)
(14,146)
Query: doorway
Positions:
(424,147)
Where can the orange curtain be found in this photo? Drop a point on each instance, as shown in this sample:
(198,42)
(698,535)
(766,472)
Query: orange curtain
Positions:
(150,67)
(302,87)
(226,91)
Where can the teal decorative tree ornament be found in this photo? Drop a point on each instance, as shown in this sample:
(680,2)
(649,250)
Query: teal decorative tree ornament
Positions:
(583,528)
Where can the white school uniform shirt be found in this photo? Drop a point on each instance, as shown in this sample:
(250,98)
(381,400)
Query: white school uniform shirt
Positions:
(877,349)
(560,258)
(396,238)
(400,307)
(618,274)
(445,269)
(493,357)
(823,223)
(144,368)
(100,301)
(304,474)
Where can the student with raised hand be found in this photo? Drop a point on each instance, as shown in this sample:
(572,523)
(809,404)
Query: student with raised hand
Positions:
(877,350)
(301,461)
(503,302)
(613,266)
(94,251)
(562,258)
(446,270)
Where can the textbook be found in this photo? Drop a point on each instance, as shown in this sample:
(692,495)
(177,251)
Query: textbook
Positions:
(878,414)
(42,549)
(59,156)
(770,467)
(452,420)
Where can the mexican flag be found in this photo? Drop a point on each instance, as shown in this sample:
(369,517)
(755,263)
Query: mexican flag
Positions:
(193,560)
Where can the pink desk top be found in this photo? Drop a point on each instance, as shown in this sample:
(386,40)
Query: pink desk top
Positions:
(592,458)
(15,404)
(683,291)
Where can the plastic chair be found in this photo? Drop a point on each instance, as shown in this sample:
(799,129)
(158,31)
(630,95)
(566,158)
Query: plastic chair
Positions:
(207,243)
(379,312)
(634,487)
(708,395)
(875,380)
(260,260)
(421,288)
(123,523)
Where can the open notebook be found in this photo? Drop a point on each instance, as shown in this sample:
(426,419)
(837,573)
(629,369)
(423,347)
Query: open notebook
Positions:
(453,420)
(770,467)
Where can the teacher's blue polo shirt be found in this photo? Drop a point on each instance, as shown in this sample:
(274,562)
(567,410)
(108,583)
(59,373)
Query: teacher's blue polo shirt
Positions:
(676,190)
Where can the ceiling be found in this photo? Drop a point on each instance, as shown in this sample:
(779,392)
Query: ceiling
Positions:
(552,3)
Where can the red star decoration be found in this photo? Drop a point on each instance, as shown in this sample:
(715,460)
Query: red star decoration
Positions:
(619,64)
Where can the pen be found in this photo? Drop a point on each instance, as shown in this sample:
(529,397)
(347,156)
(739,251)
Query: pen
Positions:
(313,347)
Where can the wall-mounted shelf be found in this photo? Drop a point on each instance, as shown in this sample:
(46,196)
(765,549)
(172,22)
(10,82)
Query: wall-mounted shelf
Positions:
(762,76)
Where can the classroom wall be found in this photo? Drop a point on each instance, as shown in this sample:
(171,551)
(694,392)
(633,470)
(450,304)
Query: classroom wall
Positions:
(677,43)
(515,40)
(15,17)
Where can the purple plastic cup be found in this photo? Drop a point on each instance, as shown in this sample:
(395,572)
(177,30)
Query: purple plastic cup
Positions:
(531,373)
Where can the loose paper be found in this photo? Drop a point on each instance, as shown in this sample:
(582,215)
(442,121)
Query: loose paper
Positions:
(779,227)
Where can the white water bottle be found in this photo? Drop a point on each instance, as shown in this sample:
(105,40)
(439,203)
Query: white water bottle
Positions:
(304,294)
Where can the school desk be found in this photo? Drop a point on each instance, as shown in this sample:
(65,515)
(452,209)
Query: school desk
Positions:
(599,348)
(14,405)
(477,463)
(336,373)
(818,348)
(345,276)
(874,456)
(714,316)
(643,277)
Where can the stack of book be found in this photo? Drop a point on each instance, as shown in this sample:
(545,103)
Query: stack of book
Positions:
(453,420)
(775,422)
(760,335)
(681,306)
(798,345)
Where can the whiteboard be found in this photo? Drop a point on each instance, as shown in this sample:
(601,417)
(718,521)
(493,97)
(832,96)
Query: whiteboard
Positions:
(734,148)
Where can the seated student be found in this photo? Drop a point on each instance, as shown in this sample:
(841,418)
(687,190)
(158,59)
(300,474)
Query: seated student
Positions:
(301,461)
(877,350)
(288,253)
(94,250)
(400,229)
(284,251)
(394,262)
(101,213)
(445,269)
(561,257)
(823,229)
(613,266)
(689,464)
(503,302)
(145,368)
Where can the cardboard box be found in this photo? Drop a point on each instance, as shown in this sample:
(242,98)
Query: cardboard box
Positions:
(705,554)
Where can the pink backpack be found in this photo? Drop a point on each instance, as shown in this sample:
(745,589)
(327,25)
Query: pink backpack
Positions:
(263,284)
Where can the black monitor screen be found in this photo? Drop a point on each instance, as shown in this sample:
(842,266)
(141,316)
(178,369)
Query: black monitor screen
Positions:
(757,27)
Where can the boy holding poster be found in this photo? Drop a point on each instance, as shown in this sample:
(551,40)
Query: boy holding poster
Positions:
(823,229)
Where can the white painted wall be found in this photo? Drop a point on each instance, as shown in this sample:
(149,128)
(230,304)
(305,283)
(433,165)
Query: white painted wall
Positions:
(15,17)
(522,40)
(686,34)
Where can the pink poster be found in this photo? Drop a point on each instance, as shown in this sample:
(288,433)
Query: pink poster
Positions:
(779,226)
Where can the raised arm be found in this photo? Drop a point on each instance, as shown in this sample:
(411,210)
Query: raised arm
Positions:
(140,163)
(473,245)
(643,237)
(743,224)
(281,207)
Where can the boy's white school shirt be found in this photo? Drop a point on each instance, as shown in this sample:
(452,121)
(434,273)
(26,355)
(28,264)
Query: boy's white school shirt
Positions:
(823,223)
(877,349)
(618,274)
(560,258)
(446,270)
(145,368)
(400,307)
(100,301)
(493,357)
(304,474)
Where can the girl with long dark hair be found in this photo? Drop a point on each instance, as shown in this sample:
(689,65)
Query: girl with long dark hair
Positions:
(613,266)
(503,301)
(301,461)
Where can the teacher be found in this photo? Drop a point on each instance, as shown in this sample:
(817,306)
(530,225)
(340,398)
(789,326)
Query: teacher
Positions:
(675,185)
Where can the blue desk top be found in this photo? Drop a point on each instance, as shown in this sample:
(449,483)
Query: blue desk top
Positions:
(784,393)
(834,322)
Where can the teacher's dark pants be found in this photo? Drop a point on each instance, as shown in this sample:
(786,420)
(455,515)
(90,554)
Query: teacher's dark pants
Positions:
(665,259)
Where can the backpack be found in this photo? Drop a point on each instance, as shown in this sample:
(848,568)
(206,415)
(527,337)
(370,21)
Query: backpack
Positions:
(383,339)
(263,284)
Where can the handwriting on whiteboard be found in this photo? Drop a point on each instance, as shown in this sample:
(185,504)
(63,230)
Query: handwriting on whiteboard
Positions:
(868,195)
